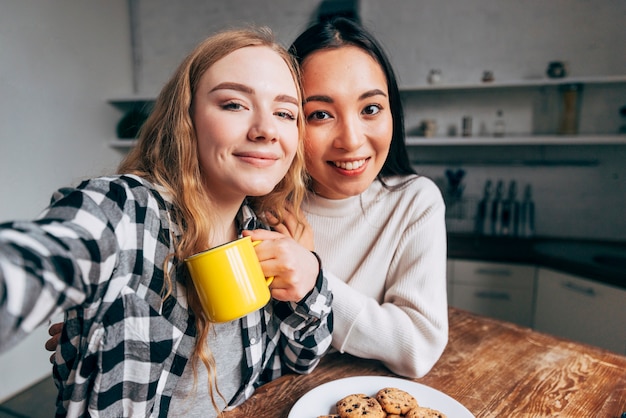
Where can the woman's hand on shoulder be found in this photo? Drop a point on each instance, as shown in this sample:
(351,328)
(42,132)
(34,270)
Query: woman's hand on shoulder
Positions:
(55,334)
(294,267)
(299,231)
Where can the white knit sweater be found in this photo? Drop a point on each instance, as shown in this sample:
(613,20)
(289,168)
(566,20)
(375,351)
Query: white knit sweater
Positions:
(384,253)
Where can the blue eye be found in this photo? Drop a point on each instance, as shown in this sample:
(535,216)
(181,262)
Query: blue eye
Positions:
(232,106)
(286,115)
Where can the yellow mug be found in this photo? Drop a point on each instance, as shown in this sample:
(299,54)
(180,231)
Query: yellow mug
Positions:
(229,280)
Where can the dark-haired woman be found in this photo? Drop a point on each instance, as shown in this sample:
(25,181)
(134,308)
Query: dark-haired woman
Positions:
(379,227)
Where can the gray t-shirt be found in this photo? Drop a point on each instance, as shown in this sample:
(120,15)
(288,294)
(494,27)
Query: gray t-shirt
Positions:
(227,348)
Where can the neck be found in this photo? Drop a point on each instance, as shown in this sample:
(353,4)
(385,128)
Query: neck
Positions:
(224,212)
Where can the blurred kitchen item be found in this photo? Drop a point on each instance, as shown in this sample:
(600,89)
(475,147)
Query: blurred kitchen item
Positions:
(466,126)
(483,215)
(501,215)
(570,110)
(455,187)
(527,214)
(128,127)
(496,209)
(556,69)
(622,112)
(434,76)
(499,125)
(488,77)
(509,215)
(482,130)
(428,127)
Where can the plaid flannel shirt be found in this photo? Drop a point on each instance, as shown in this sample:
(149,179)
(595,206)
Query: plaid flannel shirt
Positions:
(97,253)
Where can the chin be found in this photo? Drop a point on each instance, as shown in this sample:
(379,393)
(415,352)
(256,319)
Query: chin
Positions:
(260,191)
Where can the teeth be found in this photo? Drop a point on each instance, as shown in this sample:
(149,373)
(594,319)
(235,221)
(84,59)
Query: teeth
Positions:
(349,165)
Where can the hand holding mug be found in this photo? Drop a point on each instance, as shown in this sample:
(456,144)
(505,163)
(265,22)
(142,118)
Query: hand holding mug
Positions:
(295,268)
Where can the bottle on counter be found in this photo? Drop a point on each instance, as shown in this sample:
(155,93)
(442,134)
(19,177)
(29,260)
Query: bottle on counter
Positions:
(483,216)
(499,125)
(496,209)
(527,214)
(509,215)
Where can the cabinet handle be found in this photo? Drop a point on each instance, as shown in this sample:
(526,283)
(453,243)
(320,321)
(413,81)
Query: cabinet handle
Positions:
(494,272)
(493,295)
(589,291)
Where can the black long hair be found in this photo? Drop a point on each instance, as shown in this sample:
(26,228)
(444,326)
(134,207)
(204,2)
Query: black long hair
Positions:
(338,32)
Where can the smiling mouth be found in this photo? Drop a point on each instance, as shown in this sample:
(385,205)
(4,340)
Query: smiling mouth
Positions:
(258,159)
(349,165)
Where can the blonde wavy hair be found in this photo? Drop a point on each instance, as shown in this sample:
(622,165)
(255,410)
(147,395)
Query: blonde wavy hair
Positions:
(166,154)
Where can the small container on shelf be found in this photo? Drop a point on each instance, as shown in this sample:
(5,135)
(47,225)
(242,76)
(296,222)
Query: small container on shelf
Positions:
(466,126)
(556,69)
(499,125)
(434,76)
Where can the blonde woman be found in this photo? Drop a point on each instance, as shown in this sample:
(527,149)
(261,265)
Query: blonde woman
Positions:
(222,144)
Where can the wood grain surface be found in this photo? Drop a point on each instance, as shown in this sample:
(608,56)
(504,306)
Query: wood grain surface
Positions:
(493,368)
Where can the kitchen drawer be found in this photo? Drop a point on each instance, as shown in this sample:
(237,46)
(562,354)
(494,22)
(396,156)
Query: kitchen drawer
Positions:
(580,309)
(491,274)
(509,304)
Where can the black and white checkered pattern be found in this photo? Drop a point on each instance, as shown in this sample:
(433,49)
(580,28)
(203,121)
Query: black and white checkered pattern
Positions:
(97,253)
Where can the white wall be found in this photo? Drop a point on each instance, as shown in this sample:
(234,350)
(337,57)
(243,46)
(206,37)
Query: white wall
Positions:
(59,62)
(515,39)
(167,30)
(580,192)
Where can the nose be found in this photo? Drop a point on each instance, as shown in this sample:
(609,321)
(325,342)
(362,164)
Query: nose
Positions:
(263,127)
(349,134)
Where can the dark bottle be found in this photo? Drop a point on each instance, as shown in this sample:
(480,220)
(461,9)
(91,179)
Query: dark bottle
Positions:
(496,209)
(510,209)
(485,206)
(527,214)
(499,125)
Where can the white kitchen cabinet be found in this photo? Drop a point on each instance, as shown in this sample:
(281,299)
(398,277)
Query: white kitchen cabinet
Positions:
(581,309)
(500,290)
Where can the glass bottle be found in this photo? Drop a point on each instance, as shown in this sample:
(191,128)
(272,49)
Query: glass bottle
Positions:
(498,126)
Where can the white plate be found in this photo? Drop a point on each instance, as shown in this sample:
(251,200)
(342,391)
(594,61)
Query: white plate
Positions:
(322,399)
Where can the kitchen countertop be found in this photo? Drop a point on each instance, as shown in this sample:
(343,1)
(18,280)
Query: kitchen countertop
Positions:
(602,261)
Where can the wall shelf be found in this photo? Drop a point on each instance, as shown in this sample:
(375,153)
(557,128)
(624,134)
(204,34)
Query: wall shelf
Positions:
(122,143)
(538,82)
(128,102)
(416,141)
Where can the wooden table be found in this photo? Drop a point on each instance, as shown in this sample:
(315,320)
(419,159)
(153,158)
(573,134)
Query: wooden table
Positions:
(493,368)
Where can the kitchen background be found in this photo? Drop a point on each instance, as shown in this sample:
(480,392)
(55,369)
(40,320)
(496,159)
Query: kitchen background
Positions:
(62,62)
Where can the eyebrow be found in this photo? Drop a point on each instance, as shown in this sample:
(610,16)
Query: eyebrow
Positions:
(328,99)
(248,90)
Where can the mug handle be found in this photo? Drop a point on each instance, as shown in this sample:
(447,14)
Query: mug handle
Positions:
(268,280)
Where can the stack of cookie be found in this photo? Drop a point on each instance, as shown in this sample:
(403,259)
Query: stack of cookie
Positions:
(388,403)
